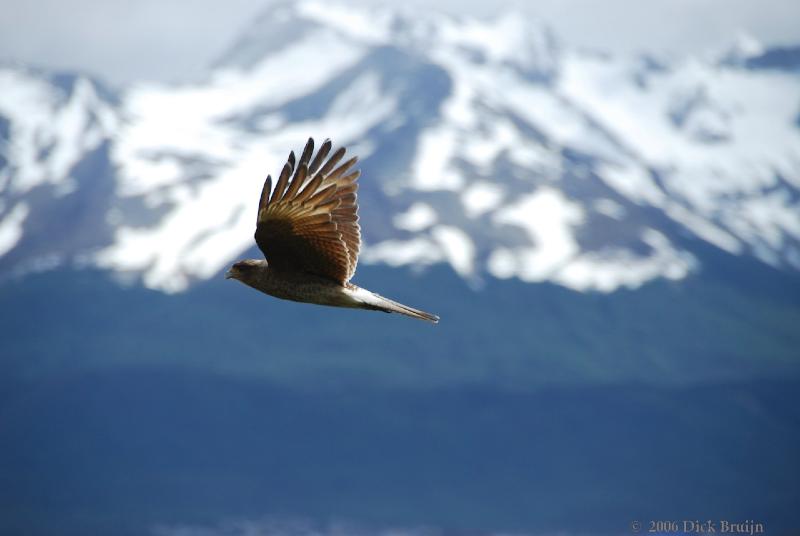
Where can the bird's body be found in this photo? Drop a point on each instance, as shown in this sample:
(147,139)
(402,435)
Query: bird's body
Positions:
(294,286)
(308,231)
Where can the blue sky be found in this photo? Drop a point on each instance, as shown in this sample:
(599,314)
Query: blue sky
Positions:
(173,40)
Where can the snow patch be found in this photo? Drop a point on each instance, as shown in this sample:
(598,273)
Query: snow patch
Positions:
(609,270)
(481,197)
(609,208)
(703,228)
(193,122)
(49,136)
(633,182)
(418,217)
(210,227)
(431,169)
(11,227)
(418,251)
(457,247)
(508,39)
(549,218)
(369,25)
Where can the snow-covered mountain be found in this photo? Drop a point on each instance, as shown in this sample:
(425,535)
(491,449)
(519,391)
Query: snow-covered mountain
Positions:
(489,145)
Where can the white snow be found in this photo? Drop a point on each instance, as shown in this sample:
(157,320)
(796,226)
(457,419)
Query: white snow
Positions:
(362,104)
(11,227)
(443,244)
(170,130)
(481,197)
(534,144)
(563,122)
(369,25)
(703,228)
(503,263)
(538,159)
(210,225)
(745,46)
(610,270)
(549,219)
(431,169)
(509,38)
(633,182)
(751,112)
(49,137)
(419,251)
(482,148)
(418,217)
(191,121)
(699,142)
(457,247)
(765,220)
(609,208)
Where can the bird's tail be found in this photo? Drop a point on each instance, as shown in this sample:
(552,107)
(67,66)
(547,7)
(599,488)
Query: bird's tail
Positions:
(376,302)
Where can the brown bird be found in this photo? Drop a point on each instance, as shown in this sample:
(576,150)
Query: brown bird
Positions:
(308,231)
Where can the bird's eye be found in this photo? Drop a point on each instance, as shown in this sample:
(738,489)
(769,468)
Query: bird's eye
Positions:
(242,267)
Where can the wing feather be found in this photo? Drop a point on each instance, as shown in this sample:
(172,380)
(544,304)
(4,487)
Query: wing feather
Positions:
(309,189)
(321,154)
(335,176)
(283,181)
(305,158)
(322,195)
(262,202)
(332,161)
(309,223)
(297,180)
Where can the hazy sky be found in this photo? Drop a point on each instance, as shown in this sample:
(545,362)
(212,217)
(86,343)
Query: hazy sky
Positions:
(124,40)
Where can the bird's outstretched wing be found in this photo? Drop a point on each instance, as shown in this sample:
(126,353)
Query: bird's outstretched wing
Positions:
(310,221)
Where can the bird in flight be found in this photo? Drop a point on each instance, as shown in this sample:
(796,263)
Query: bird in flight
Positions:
(308,231)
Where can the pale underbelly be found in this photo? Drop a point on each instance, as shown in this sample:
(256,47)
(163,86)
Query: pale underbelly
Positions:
(318,292)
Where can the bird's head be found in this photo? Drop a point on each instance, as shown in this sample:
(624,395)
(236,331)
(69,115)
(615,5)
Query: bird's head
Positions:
(246,271)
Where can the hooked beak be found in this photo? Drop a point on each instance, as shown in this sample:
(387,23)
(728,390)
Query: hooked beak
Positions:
(229,275)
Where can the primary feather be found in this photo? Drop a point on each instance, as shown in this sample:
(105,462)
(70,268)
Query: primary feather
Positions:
(313,229)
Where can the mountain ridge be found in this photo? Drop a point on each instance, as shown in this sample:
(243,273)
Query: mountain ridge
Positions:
(488,145)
